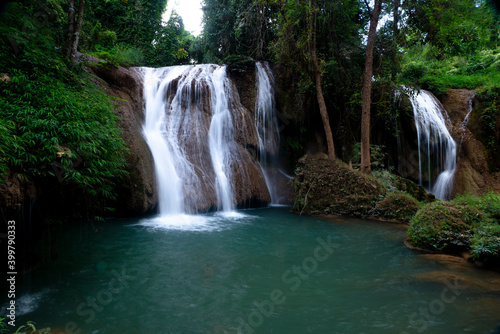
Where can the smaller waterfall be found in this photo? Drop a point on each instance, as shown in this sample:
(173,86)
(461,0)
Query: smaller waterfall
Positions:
(266,126)
(462,130)
(437,150)
(466,119)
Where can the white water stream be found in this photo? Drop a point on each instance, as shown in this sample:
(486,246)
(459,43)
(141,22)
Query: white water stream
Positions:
(266,125)
(437,150)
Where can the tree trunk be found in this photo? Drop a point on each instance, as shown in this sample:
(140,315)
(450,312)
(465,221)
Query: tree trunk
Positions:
(367,87)
(71,28)
(319,91)
(74,29)
(395,39)
(78,30)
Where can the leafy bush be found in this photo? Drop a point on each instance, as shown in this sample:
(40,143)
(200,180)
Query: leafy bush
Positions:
(426,68)
(399,206)
(107,38)
(127,55)
(57,127)
(444,226)
(414,71)
(122,55)
(486,244)
(378,155)
(489,203)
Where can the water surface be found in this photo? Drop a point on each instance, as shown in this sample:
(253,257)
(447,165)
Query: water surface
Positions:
(258,271)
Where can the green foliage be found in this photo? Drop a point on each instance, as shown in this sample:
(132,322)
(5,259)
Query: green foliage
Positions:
(3,326)
(23,329)
(414,71)
(121,55)
(57,126)
(469,222)
(486,245)
(237,27)
(422,68)
(453,27)
(340,58)
(378,155)
(238,63)
(490,113)
(488,203)
(399,206)
(444,226)
(107,38)
(173,45)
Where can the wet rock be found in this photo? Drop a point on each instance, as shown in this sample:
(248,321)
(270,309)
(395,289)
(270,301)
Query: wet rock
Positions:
(15,193)
(472,175)
(137,192)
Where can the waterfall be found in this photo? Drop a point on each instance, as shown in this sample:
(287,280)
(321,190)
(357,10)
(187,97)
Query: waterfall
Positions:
(220,134)
(162,140)
(197,130)
(436,148)
(266,126)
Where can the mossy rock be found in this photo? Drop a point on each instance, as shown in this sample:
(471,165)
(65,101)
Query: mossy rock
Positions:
(326,186)
(415,190)
(398,206)
(444,227)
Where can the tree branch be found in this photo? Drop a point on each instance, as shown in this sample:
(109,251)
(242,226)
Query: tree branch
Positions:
(368,7)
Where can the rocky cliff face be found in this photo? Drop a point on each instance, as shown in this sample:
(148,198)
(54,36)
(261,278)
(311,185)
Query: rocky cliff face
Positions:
(473,174)
(137,191)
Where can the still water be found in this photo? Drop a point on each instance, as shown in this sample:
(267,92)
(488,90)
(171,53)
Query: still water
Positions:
(257,271)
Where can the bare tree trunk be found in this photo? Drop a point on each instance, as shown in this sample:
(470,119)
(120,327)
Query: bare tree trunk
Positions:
(74,29)
(71,28)
(78,30)
(395,38)
(367,87)
(319,91)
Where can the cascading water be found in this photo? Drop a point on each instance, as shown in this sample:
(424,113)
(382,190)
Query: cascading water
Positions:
(162,141)
(267,127)
(436,148)
(220,134)
(462,129)
(195,126)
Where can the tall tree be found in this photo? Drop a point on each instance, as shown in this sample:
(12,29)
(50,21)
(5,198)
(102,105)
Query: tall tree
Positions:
(317,77)
(367,87)
(74,28)
(297,49)
(242,27)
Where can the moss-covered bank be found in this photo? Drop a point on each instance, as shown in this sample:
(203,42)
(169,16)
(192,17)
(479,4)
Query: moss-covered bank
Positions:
(324,186)
(466,224)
